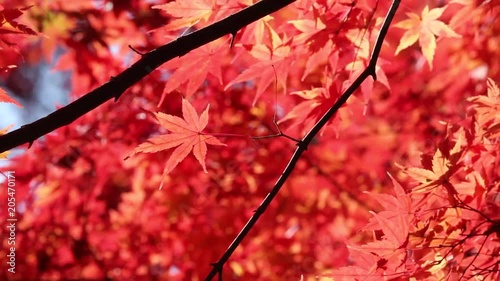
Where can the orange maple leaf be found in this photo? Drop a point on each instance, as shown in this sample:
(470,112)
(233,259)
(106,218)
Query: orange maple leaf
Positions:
(317,102)
(444,165)
(273,62)
(4,97)
(424,29)
(441,171)
(487,109)
(185,134)
(187,13)
(9,24)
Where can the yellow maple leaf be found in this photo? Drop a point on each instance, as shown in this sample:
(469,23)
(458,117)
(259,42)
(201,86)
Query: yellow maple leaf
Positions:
(425,29)
(487,109)
(442,170)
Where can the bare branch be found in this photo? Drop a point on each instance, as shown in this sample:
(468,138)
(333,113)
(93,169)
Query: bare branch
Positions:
(148,62)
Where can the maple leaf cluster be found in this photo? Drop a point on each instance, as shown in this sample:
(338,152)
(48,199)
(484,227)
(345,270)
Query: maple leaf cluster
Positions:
(448,225)
(430,121)
(10,32)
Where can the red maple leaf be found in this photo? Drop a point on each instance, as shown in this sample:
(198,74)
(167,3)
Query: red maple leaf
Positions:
(316,102)
(445,163)
(9,24)
(187,13)
(273,63)
(4,97)
(487,110)
(193,68)
(395,220)
(185,134)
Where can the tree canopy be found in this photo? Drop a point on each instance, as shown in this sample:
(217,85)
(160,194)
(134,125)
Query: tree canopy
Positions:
(254,140)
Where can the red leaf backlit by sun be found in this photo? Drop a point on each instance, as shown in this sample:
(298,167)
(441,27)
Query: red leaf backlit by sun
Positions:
(4,97)
(185,134)
(193,68)
(424,28)
(273,63)
(437,219)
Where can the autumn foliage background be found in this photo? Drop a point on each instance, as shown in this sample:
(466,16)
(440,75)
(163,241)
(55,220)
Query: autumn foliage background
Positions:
(402,184)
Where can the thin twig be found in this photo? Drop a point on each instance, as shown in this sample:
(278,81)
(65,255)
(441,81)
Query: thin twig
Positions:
(302,145)
(135,50)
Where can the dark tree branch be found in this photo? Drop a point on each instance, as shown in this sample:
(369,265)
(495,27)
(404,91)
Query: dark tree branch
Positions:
(148,62)
(302,145)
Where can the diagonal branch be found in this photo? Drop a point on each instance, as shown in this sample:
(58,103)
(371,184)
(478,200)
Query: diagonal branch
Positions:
(149,61)
(302,145)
